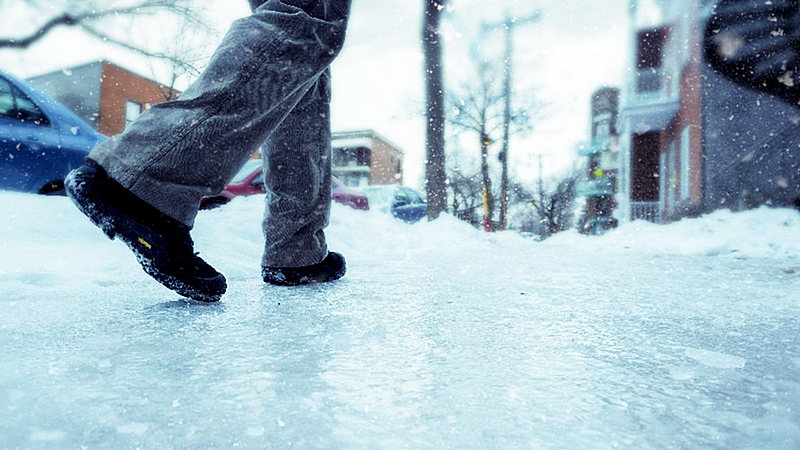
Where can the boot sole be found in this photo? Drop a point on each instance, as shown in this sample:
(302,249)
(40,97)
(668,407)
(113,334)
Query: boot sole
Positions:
(110,224)
(275,277)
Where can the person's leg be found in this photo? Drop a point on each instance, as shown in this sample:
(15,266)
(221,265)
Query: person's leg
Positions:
(179,151)
(297,170)
(149,181)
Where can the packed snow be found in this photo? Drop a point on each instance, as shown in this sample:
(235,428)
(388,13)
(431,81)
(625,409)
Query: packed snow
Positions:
(651,336)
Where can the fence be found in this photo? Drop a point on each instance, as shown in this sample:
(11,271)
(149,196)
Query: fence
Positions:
(649,211)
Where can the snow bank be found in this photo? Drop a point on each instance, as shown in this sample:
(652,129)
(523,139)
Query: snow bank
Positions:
(764,232)
(45,238)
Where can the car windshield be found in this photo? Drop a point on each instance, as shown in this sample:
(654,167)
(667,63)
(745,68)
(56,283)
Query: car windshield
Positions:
(246,170)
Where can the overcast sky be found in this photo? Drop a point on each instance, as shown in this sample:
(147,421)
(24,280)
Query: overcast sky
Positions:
(576,47)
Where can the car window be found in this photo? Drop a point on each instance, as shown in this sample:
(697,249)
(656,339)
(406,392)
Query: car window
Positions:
(6,99)
(15,105)
(400,196)
(413,197)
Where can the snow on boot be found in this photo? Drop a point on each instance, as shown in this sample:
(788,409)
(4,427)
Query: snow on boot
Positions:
(331,268)
(161,244)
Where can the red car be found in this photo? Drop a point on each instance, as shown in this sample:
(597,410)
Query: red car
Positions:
(353,197)
(248,181)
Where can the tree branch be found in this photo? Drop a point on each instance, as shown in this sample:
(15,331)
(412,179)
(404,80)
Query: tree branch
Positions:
(65,19)
(178,62)
(70,19)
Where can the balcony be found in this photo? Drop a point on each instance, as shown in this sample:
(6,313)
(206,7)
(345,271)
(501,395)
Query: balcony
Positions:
(597,187)
(652,100)
(653,85)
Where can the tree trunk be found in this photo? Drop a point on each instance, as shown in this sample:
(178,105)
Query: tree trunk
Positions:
(435,178)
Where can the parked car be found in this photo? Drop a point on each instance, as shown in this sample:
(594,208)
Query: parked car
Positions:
(249,181)
(400,201)
(353,197)
(40,139)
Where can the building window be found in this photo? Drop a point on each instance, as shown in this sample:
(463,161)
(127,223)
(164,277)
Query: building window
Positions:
(650,59)
(132,111)
(602,125)
(363,157)
(686,162)
(352,156)
(650,49)
(601,129)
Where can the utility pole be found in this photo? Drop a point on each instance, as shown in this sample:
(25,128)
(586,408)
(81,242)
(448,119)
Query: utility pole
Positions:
(509,24)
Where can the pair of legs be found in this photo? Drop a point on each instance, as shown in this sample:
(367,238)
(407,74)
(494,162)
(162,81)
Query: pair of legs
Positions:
(267,84)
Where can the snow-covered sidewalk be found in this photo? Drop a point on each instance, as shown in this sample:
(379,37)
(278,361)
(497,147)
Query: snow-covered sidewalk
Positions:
(686,335)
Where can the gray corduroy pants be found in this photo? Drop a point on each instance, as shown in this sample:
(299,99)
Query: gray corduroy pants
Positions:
(267,83)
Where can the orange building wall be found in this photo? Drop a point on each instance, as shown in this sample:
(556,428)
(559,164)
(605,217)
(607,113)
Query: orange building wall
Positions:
(119,86)
(383,164)
(689,114)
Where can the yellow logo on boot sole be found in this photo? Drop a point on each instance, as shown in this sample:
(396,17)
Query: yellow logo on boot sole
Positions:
(145,243)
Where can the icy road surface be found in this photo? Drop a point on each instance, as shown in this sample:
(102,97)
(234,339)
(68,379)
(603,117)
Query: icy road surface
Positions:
(685,335)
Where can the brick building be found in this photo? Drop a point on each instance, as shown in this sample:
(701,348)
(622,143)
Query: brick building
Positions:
(690,140)
(105,95)
(361,158)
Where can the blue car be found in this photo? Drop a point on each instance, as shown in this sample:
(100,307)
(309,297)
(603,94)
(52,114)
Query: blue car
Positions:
(40,139)
(400,201)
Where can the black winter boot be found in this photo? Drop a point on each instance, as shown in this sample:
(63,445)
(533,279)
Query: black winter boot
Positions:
(331,268)
(161,244)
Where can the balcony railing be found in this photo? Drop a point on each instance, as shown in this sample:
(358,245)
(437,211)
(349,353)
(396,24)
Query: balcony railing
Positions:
(596,187)
(652,85)
(651,100)
(649,211)
(649,81)
(350,169)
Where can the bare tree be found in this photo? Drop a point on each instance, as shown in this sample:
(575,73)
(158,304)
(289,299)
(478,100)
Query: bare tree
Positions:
(186,54)
(94,17)
(479,107)
(549,211)
(435,176)
(465,189)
